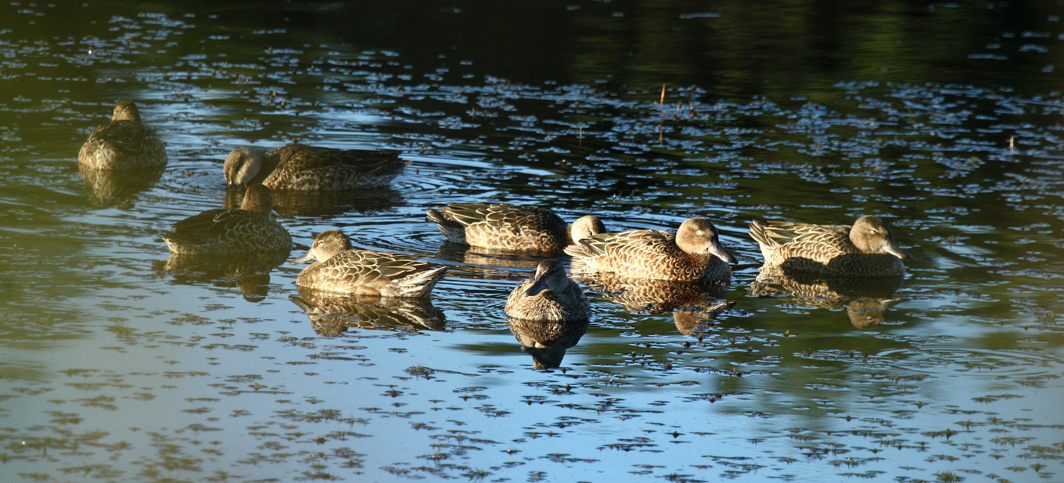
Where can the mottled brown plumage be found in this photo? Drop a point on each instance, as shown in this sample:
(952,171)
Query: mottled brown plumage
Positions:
(549,295)
(301,167)
(693,253)
(340,268)
(866,249)
(217,232)
(125,143)
(510,227)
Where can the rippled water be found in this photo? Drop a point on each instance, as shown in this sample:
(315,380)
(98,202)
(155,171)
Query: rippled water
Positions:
(944,119)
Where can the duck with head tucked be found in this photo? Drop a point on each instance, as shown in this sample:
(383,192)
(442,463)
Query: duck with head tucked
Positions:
(550,295)
(867,249)
(125,143)
(301,167)
(693,253)
(510,227)
(342,269)
(250,229)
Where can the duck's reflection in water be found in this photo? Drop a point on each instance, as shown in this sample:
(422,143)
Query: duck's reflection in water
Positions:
(333,314)
(486,260)
(288,204)
(546,341)
(867,300)
(249,272)
(109,187)
(694,305)
(698,321)
(656,296)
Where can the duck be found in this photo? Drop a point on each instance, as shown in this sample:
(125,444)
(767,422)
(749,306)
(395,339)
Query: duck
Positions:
(249,229)
(693,253)
(340,268)
(867,248)
(301,167)
(125,143)
(549,295)
(510,227)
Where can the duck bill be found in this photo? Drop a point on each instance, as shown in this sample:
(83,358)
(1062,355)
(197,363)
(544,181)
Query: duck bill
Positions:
(538,286)
(303,259)
(893,249)
(718,251)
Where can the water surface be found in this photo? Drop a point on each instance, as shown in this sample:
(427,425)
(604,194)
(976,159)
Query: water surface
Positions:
(944,119)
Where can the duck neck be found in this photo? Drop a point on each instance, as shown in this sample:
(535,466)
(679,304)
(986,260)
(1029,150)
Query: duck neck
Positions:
(269,163)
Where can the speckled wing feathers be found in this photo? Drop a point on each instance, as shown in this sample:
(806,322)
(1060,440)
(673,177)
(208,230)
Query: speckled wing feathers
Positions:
(123,145)
(227,231)
(648,254)
(508,227)
(368,272)
(822,249)
(567,305)
(302,167)
(783,240)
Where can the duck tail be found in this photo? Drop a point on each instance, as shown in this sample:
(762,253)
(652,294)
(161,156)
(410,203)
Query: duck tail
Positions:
(420,284)
(452,230)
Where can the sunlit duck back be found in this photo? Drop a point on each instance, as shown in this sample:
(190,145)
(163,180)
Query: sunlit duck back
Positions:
(550,295)
(125,143)
(301,167)
(249,229)
(342,269)
(510,227)
(865,249)
(693,253)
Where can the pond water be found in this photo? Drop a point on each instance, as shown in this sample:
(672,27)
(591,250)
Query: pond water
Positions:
(945,119)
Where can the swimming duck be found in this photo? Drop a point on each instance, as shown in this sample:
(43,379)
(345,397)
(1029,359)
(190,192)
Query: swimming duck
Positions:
(340,268)
(693,253)
(550,295)
(301,167)
(865,249)
(510,227)
(217,232)
(125,143)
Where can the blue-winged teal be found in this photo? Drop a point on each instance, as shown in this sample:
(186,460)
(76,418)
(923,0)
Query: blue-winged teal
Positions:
(250,229)
(509,227)
(550,295)
(125,143)
(866,249)
(302,167)
(693,253)
(340,268)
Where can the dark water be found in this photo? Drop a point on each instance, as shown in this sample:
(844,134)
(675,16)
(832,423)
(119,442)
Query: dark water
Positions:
(943,118)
